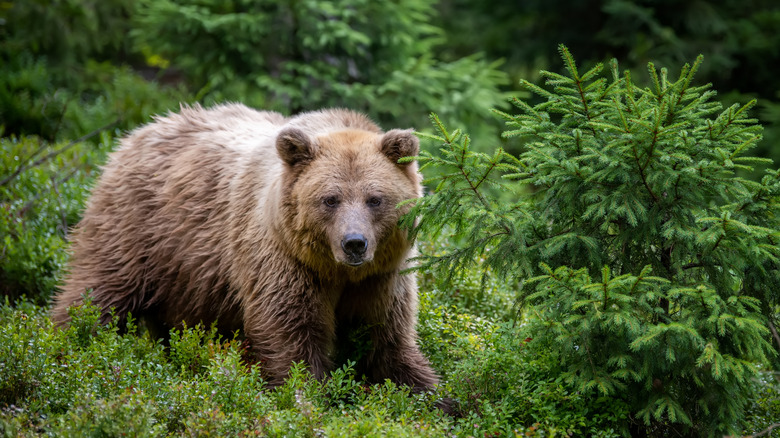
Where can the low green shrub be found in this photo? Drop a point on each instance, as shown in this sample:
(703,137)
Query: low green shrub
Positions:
(518,381)
(42,190)
(449,335)
(474,291)
(764,412)
(126,414)
(97,380)
(26,346)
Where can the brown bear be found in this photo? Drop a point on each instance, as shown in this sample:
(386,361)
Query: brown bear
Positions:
(285,228)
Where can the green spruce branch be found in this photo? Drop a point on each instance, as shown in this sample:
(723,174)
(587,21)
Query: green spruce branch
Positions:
(617,182)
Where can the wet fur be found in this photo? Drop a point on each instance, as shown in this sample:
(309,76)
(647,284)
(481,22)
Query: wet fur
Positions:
(211,214)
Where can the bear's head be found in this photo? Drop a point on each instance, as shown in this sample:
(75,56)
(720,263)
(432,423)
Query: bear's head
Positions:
(341,195)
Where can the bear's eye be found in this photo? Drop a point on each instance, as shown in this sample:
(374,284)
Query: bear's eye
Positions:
(331,201)
(374,201)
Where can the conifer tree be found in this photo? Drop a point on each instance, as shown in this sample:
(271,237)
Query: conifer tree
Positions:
(643,258)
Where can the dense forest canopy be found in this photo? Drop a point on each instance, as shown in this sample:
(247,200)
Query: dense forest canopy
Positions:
(396,60)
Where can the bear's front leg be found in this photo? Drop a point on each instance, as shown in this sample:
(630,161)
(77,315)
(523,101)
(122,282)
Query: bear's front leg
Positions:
(284,328)
(387,307)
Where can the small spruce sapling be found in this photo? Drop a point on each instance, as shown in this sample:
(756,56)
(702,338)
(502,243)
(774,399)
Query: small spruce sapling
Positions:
(644,259)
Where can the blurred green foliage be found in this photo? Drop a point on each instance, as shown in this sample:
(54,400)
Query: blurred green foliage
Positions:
(375,57)
(739,40)
(66,32)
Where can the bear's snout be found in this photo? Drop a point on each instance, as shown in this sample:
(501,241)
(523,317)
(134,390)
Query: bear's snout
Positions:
(354,246)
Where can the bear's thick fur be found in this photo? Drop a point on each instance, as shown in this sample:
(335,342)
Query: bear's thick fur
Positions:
(284,228)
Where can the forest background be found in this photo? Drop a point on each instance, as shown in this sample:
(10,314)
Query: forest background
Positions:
(75,75)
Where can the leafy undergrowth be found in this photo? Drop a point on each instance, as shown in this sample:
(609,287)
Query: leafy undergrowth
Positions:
(100,381)
(92,380)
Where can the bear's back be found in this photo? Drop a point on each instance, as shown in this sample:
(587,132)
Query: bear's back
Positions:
(230,126)
(151,215)
(176,200)
(325,121)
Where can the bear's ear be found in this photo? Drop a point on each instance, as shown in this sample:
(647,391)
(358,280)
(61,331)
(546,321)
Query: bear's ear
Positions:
(400,143)
(294,146)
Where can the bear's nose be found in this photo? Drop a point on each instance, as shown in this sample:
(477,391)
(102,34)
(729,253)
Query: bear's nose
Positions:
(354,244)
